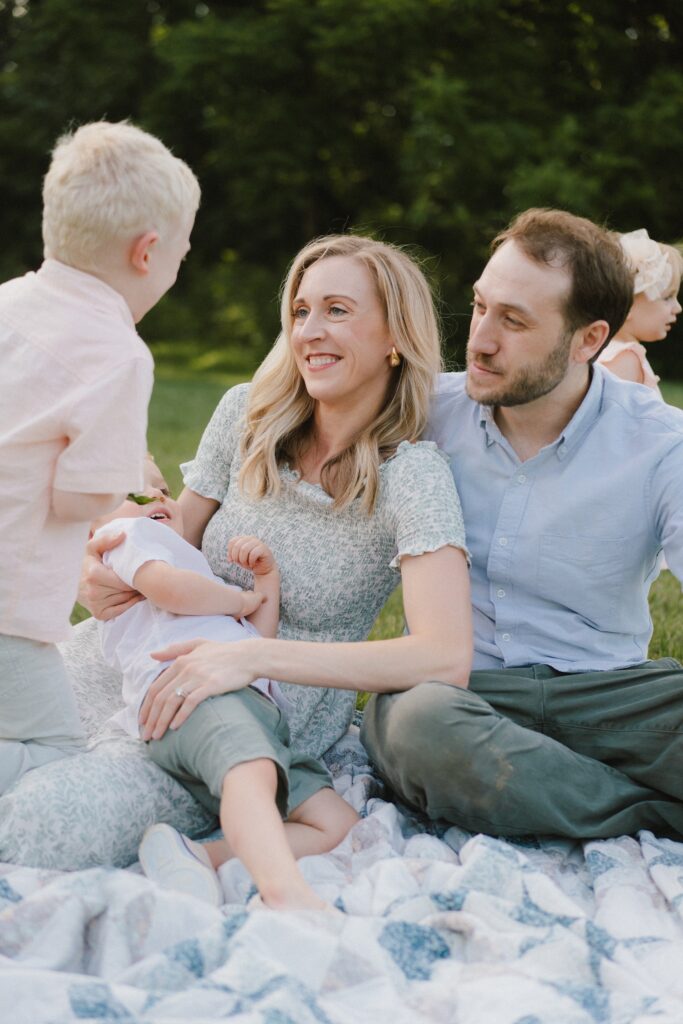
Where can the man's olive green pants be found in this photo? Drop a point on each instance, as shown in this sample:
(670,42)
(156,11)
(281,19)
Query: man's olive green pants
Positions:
(534,751)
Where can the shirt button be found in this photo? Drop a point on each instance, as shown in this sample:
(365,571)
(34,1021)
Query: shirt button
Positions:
(521,479)
(500,592)
(506,637)
(503,541)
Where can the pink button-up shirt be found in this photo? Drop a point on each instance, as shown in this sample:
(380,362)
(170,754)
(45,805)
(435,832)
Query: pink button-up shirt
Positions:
(75,382)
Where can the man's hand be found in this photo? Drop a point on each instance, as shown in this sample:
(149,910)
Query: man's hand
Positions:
(251,553)
(101,591)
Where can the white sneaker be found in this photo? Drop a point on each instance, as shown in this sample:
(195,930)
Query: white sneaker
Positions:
(175,862)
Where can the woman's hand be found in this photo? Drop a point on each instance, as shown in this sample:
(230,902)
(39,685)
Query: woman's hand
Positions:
(200,669)
(101,591)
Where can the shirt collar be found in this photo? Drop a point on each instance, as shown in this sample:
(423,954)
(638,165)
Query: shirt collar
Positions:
(585,416)
(85,288)
(582,420)
(488,425)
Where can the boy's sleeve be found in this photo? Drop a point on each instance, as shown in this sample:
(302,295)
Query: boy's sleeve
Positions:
(106,433)
(144,543)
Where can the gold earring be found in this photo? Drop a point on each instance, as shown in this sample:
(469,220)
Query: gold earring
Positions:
(394,357)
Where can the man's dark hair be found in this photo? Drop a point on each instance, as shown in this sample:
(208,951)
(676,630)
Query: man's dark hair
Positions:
(602,280)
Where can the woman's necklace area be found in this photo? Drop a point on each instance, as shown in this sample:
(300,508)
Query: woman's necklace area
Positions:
(309,471)
(310,463)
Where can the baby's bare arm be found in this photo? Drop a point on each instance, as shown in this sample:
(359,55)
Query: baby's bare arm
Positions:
(251,553)
(185,592)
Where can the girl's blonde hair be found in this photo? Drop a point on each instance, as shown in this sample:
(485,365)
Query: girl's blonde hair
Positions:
(109,182)
(676,263)
(280,410)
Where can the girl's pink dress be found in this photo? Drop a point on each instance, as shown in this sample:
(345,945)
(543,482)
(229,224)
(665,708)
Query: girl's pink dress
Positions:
(616,347)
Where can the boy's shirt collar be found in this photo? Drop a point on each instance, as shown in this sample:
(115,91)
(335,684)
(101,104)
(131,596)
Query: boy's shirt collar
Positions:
(85,287)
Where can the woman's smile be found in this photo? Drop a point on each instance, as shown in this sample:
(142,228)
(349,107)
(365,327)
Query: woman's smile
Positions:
(322,361)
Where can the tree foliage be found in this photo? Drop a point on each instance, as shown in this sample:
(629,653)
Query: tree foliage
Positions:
(428,122)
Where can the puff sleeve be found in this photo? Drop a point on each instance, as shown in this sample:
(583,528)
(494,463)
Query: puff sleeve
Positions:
(422,501)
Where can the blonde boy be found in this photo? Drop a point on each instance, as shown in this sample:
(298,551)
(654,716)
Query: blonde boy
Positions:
(118,209)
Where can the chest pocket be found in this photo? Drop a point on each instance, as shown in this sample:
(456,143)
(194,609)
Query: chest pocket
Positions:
(586,575)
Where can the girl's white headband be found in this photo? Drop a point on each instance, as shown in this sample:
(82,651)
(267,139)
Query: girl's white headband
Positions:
(653,270)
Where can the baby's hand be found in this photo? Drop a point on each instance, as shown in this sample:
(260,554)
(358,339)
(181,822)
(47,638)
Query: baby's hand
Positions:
(251,553)
(250,602)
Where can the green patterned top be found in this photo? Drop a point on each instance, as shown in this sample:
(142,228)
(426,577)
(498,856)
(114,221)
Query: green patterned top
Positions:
(337,567)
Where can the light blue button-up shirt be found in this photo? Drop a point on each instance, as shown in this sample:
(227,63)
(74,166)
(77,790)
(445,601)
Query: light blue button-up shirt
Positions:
(565,545)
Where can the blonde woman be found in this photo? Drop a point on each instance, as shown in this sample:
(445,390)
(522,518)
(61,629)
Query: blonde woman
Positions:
(320,458)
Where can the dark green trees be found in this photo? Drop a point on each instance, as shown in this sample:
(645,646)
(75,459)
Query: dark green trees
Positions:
(430,122)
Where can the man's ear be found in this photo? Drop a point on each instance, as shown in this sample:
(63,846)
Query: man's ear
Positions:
(140,250)
(591,339)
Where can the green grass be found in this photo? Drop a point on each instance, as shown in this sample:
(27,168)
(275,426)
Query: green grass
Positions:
(180,409)
(178,413)
(673,392)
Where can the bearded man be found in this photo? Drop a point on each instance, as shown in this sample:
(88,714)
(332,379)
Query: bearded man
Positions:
(571,483)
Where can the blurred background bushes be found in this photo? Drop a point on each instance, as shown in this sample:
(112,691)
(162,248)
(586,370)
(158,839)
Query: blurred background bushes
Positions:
(427,122)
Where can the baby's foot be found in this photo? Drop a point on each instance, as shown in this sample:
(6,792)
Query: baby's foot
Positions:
(293,897)
(175,862)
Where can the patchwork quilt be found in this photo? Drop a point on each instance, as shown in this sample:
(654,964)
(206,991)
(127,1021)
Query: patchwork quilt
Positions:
(438,926)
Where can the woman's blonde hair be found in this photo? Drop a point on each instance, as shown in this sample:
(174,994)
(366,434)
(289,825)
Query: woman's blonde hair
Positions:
(280,410)
(108,182)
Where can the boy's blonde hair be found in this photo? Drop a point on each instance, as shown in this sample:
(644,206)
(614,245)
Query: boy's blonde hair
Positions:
(280,410)
(109,182)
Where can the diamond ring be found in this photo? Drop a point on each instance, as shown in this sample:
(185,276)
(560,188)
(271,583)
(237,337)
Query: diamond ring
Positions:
(179,692)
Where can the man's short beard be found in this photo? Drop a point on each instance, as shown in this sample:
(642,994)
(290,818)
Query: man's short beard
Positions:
(534,382)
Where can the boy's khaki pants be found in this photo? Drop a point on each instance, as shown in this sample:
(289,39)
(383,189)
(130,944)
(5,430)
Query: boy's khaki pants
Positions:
(533,751)
(39,720)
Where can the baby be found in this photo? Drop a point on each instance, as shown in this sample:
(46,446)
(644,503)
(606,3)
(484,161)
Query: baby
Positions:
(657,279)
(118,209)
(233,751)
